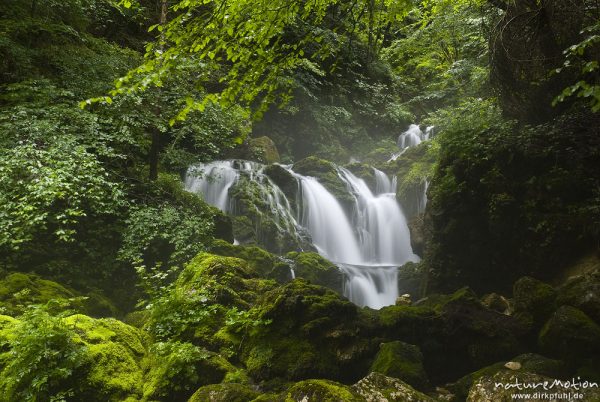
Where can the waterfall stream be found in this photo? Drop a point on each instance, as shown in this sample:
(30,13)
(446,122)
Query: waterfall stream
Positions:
(367,243)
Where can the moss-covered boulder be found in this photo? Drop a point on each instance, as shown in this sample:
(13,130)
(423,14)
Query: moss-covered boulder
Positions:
(263,262)
(312,333)
(582,292)
(534,301)
(115,351)
(378,388)
(530,362)
(317,270)
(263,149)
(321,391)
(224,393)
(403,361)
(501,387)
(259,221)
(570,333)
(17,290)
(411,279)
(175,370)
(211,291)
(455,333)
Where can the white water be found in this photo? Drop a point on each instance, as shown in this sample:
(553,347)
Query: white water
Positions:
(368,243)
(411,138)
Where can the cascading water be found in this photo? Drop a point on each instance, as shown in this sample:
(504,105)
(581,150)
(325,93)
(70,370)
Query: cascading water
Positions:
(411,138)
(368,243)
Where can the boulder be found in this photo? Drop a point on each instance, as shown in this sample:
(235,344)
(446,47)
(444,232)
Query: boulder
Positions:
(263,149)
(534,301)
(312,332)
(321,391)
(570,333)
(582,292)
(224,393)
(506,385)
(317,270)
(378,388)
(403,361)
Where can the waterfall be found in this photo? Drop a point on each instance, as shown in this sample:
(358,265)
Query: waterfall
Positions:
(411,138)
(368,243)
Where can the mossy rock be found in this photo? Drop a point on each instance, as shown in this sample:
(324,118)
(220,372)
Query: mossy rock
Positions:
(486,389)
(313,333)
(321,391)
(263,149)
(582,292)
(534,300)
(224,393)
(17,290)
(530,362)
(377,387)
(380,155)
(257,258)
(177,369)
(570,333)
(255,221)
(403,361)
(115,351)
(317,270)
(284,180)
(411,279)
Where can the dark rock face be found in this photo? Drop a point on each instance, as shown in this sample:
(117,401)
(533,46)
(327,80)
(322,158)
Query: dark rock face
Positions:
(582,292)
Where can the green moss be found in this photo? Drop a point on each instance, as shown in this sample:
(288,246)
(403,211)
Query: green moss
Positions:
(363,171)
(571,334)
(264,150)
(403,361)
(17,290)
(322,391)
(176,369)
(378,387)
(534,300)
(257,258)
(317,270)
(224,393)
(313,333)
(582,292)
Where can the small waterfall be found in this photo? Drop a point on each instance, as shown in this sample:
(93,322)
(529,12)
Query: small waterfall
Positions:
(213,181)
(368,243)
(411,138)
